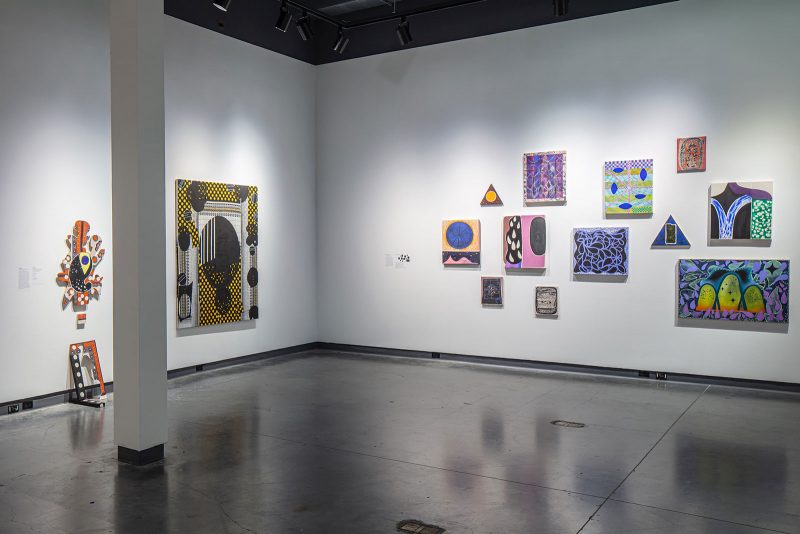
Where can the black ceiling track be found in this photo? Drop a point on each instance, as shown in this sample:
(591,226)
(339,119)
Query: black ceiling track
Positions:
(347,24)
(371,25)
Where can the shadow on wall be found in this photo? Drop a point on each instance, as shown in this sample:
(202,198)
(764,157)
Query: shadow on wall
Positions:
(613,279)
(394,67)
(216,328)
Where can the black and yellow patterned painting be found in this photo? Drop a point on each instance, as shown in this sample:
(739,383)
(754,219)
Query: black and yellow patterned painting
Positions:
(217,252)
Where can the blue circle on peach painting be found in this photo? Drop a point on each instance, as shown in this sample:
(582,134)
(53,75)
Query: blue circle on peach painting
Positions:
(459,235)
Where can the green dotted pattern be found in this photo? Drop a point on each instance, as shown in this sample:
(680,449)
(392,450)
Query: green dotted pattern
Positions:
(761,223)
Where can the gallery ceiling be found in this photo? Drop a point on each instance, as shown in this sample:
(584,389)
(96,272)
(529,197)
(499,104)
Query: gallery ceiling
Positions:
(371,25)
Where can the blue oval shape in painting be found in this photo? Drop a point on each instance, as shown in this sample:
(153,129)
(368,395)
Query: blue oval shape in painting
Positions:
(614,189)
(459,235)
(618,170)
(625,206)
(640,196)
(643,175)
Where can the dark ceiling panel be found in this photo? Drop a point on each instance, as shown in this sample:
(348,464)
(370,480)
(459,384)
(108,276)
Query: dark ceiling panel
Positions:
(253,21)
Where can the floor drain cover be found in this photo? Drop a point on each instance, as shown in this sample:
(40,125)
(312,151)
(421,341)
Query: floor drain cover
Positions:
(568,424)
(415,526)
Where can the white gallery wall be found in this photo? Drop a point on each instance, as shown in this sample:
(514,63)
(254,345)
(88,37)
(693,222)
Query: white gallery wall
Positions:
(408,139)
(55,168)
(236,113)
(364,158)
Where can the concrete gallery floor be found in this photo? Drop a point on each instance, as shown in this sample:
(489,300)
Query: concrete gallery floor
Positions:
(336,443)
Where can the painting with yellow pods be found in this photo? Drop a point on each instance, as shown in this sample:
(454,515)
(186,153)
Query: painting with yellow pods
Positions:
(734,290)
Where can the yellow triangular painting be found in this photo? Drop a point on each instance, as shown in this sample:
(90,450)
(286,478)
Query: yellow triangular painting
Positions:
(491,198)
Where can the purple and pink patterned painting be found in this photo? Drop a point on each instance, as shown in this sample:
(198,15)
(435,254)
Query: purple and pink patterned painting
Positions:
(544,176)
(734,290)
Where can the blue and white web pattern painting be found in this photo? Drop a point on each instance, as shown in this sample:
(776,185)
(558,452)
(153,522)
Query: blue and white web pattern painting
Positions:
(600,251)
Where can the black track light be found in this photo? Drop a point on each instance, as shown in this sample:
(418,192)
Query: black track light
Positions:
(561,7)
(403,32)
(304,27)
(284,19)
(222,5)
(341,41)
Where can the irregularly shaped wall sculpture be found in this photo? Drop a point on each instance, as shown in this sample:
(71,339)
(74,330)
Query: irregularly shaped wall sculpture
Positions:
(79,266)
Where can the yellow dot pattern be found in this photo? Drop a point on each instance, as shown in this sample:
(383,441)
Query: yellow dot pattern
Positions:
(214,192)
(252,206)
(182,205)
(207,308)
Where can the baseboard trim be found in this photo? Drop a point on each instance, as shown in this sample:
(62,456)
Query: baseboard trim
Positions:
(239,360)
(566,367)
(139,458)
(61,397)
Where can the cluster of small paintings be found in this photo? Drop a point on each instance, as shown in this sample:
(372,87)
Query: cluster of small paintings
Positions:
(628,187)
(525,242)
(734,290)
(544,177)
(216,252)
(461,242)
(740,210)
(600,251)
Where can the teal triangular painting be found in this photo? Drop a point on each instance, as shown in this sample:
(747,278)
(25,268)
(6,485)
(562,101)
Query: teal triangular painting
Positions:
(671,236)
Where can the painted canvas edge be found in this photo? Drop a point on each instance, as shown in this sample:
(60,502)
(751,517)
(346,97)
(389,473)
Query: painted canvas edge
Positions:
(712,319)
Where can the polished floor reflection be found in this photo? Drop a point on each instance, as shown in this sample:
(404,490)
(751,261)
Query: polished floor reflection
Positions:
(337,443)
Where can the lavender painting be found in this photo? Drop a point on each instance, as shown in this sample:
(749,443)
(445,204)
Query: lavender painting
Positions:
(734,290)
(544,177)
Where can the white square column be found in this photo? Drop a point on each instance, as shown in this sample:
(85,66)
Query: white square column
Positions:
(139,226)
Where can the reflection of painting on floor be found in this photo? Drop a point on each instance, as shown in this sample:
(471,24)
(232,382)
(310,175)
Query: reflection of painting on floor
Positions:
(544,177)
(601,251)
(741,210)
(525,242)
(461,242)
(492,290)
(628,187)
(217,261)
(734,290)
